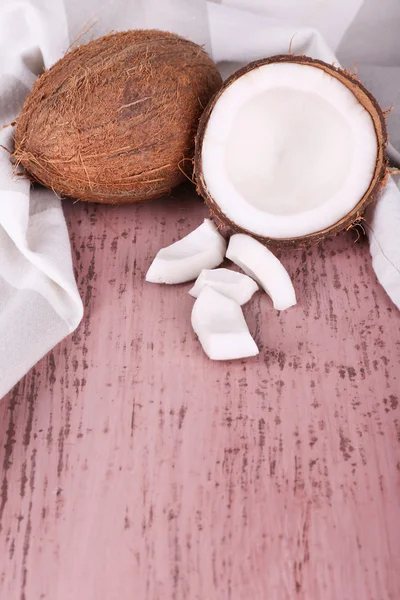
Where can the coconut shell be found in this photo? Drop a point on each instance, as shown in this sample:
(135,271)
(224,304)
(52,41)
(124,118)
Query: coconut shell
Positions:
(380,174)
(115,120)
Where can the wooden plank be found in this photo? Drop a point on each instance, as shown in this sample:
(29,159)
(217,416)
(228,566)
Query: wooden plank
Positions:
(134,467)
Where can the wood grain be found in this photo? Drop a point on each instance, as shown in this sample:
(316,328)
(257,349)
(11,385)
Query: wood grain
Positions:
(132,467)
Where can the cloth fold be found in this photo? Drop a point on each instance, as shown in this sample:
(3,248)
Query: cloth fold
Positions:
(383,229)
(39,300)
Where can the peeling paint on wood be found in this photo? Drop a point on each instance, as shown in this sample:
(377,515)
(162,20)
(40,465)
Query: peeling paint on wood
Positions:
(133,467)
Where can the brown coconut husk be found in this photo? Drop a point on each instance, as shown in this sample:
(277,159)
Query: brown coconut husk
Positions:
(380,174)
(114,120)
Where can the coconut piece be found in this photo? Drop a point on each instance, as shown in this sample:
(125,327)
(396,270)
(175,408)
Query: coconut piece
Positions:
(290,150)
(259,262)
(231,284)
(219,324)
(115,119)
(203,248)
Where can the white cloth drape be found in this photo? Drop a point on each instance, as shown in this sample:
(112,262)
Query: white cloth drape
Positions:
(39,301)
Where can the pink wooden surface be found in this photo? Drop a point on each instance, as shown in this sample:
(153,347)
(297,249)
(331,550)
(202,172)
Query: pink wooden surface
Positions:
(132,467)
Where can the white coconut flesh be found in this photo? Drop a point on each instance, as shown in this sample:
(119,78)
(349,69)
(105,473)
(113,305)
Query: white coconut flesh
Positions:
(263,266)
(232,284)
(219,324)
(288,150)
(203,248)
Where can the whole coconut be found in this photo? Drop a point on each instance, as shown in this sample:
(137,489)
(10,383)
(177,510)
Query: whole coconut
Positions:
(114,120)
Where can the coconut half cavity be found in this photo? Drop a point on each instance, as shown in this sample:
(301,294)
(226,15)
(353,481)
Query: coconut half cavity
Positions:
(291,149)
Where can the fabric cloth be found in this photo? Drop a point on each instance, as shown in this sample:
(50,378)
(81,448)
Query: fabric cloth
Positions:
(39,300)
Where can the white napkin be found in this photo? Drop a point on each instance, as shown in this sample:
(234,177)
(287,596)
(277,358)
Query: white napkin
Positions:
(39,301)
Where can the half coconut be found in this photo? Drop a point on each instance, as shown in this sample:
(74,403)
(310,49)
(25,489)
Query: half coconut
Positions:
(291,150)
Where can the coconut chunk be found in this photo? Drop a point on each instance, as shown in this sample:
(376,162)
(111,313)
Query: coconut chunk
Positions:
(263,266)
(203,248)
(231,284)
(219,324)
